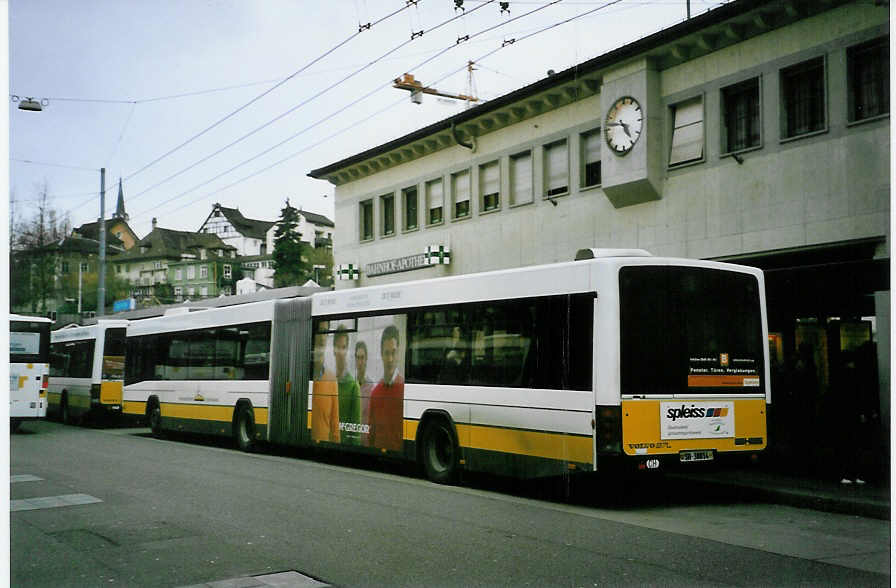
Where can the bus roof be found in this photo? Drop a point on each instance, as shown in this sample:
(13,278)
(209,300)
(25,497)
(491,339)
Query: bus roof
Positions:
(31,319)
(570,277)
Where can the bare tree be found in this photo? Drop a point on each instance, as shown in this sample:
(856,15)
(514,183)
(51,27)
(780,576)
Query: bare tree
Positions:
(33,267)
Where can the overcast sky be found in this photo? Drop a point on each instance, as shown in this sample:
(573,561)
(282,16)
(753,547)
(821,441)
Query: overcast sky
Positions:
(140,87)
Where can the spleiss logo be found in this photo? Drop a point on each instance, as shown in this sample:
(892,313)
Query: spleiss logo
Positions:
(694,412)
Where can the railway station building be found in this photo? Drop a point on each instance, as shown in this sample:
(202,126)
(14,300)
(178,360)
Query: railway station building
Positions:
(756,133)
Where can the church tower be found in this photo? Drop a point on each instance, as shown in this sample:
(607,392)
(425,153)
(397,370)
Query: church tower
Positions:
(119,207)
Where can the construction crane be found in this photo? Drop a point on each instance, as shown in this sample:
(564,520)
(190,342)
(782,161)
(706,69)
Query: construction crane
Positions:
(417,89)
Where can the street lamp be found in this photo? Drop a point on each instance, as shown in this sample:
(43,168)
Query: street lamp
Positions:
(30,104)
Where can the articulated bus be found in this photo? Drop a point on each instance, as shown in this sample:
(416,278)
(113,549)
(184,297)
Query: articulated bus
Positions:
(87,370)
(29,351)
(618,359)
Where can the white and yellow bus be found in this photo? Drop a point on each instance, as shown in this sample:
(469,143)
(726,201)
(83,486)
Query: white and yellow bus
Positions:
(29,351)
(87,370)
(616,359)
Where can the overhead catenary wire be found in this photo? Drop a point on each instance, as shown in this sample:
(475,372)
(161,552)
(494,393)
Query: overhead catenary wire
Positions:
(308,100)
(260,96)
(356,123)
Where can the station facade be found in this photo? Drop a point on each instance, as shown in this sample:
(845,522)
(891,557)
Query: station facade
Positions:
(757,133)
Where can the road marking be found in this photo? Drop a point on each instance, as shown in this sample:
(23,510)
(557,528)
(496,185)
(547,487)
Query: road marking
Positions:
(24,478)
(283,580)
(51,502)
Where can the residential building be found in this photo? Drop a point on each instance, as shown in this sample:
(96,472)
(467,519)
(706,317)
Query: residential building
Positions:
(757,132)
(152,263)
(246,235)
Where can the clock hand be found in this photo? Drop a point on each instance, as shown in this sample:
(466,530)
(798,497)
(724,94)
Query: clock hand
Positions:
(625,128)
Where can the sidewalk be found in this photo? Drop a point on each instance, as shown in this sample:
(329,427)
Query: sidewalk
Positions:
(869,500)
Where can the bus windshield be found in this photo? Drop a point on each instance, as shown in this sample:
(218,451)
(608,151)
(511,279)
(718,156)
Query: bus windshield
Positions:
(690,331)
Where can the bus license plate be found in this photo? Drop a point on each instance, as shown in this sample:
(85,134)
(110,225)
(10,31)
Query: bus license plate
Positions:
(688,456)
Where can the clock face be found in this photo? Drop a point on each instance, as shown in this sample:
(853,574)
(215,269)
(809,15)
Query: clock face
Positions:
(623,124)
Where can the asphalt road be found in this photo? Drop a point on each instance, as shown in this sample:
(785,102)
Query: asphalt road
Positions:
(115,507)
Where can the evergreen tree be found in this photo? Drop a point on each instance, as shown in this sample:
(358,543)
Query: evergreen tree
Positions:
(291,264)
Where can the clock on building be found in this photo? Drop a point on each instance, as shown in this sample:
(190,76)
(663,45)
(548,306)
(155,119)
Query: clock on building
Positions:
(623,125)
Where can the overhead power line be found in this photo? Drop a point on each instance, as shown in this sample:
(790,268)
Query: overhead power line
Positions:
(263,94)
(306,102)
(356,101)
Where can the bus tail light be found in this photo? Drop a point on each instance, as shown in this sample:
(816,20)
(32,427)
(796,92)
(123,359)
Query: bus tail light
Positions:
(609,429)
(44,385)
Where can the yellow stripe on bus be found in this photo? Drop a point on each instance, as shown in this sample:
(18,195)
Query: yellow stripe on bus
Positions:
(133,407)
(530,443)
(208,413)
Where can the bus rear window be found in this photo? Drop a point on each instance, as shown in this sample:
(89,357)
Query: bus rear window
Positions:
(29,341)
(687,330)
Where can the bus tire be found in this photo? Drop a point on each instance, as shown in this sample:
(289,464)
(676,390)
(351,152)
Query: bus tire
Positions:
(154,416)
(244,431)
(439,451)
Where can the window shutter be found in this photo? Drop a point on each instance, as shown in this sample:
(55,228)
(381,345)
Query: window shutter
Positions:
(521,178)
(435,194)
(461,186)
(687,138)
(490,178)
(591,147)
(556,173)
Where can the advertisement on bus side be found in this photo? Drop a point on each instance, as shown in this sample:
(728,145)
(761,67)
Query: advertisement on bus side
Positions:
(357,396)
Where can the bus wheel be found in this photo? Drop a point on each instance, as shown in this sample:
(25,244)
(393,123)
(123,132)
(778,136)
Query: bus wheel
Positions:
(245,429)
(14,425)
(439,452)
(154,416)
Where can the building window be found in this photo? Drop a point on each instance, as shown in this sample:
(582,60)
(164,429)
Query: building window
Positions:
(490,186)
(227,271)
(556,169)
(802,97)
(157,265)
(203,272)
(521,178)
(460,192)
(434,201)
(687,131)
(590,145)
(191,272)
(178,275)
(191,291)
(740,109)
(868,69)
(409,205)
(262,250)
(387,205)
(203,291)
(178,292)
(203,254)
(84,267)
(65,267)
(367,220)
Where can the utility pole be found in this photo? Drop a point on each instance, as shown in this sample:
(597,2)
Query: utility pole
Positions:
(80,265)
(101,280)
